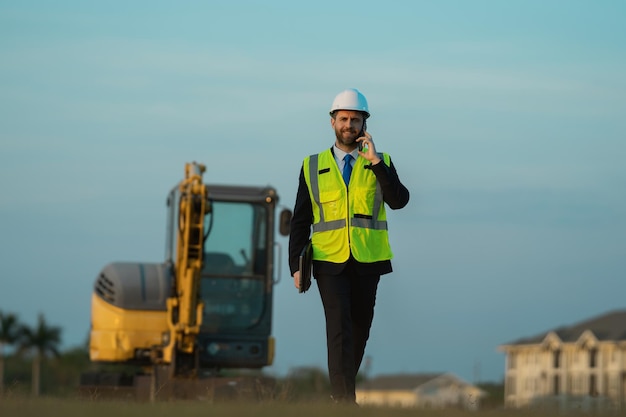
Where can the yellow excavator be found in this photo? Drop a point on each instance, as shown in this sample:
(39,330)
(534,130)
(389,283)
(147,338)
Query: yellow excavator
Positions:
(207,308)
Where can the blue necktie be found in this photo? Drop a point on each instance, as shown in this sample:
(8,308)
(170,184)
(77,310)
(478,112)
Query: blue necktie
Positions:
(347,168)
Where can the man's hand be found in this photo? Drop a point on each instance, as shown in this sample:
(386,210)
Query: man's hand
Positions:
(369,148)
(296,279)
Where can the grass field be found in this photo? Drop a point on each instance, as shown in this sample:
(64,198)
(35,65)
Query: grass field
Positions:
(53,407)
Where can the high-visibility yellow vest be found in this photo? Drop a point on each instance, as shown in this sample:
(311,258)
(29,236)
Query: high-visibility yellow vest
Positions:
(346,219)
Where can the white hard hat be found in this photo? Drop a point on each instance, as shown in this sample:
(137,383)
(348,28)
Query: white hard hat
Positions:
(350,99)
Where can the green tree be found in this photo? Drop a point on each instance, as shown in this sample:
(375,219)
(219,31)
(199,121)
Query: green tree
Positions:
(9,333)
(44,340)
(495,395)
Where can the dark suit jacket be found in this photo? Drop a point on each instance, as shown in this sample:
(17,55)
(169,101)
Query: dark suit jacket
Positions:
(395,195)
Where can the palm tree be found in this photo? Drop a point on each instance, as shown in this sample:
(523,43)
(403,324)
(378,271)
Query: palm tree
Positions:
(9,333)
(43,340)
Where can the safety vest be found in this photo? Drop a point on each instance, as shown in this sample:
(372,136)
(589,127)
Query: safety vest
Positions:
(346,219)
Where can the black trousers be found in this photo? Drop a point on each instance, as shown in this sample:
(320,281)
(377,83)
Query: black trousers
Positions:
(348,300)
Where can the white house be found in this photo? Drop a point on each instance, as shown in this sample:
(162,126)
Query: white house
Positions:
(420,391)
(582,366)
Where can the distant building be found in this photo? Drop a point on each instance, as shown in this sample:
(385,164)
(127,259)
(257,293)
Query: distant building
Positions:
(582,366)
(433,391)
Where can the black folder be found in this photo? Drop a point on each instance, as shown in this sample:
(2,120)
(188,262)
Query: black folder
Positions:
(305,267)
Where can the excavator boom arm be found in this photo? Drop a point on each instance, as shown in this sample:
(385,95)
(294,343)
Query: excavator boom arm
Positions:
(184,306)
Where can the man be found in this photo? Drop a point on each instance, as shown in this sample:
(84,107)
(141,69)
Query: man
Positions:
(342,196)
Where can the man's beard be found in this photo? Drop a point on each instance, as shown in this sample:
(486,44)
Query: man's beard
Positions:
(346,137)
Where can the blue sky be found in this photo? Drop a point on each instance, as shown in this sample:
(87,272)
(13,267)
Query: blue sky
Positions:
(506,120)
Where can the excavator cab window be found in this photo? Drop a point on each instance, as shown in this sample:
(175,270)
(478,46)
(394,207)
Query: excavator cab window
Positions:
(234,273)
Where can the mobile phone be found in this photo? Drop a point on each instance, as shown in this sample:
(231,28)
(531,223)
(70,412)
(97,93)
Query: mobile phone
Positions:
(362,133)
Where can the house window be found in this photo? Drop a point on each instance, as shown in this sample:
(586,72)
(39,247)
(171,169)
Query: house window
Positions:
(593,353)
(592,385)
(511,386)
(613,385)
(569,387)
(556,359)
(556,385)
(512,360)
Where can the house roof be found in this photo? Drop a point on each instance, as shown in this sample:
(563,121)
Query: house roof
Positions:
(610,326)
(397,382)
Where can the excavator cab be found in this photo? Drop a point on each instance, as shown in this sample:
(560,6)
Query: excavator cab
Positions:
(208,306)
(237,275)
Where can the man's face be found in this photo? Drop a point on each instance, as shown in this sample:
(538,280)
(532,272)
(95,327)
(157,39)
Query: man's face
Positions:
(347,125)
